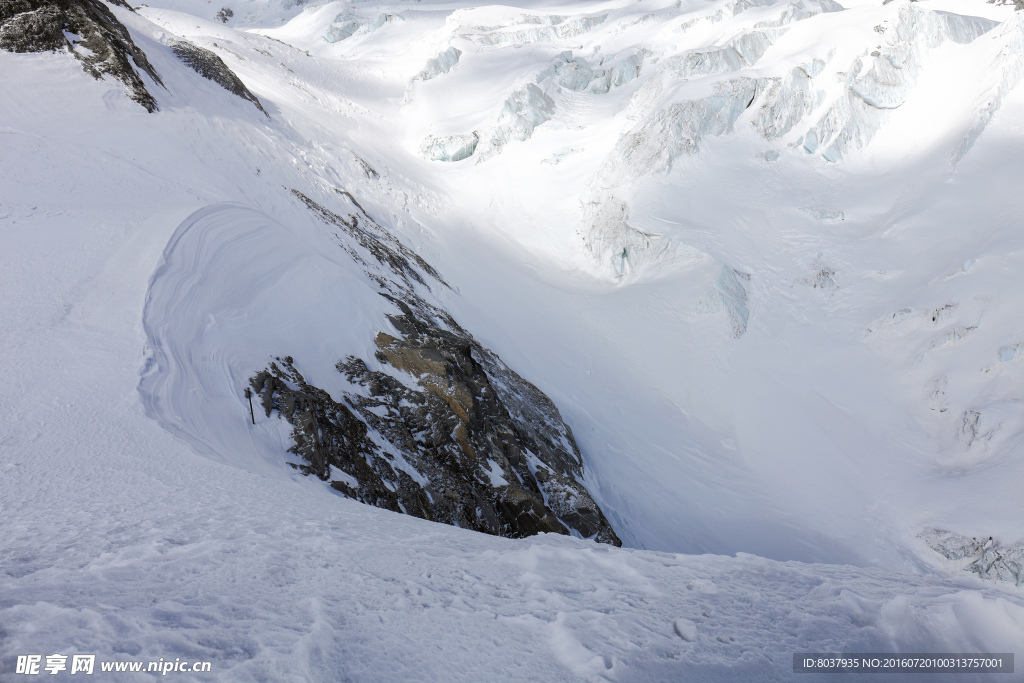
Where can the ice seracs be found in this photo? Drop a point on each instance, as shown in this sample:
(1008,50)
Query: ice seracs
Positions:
(520,114)
(348,24)
(451,147)
(989,558)
(578,74)
(441,64)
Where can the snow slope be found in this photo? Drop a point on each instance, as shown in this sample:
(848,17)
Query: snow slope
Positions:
(711,310)
(787,361)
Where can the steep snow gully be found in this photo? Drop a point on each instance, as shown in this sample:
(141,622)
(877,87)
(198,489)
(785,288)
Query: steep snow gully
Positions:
(732,283)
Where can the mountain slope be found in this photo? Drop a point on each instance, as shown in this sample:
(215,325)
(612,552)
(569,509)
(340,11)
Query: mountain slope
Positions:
(815,360)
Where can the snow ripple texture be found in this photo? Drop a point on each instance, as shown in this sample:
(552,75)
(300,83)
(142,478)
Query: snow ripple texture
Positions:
(232,287)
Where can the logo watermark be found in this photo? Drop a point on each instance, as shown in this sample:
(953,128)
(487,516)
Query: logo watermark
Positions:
(40,665)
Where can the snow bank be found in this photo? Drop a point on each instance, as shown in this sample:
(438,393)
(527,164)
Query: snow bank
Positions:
(223,264)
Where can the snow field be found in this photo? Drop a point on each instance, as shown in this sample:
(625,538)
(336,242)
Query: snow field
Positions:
(812,411)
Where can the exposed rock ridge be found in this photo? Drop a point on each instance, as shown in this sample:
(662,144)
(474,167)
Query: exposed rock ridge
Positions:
(210,66)
(445,430)
(86,28)
(395,274)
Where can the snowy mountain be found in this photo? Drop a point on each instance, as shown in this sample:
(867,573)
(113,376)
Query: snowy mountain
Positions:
(731,284)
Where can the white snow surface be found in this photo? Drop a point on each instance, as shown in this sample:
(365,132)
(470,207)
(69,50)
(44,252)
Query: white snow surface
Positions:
(764,256)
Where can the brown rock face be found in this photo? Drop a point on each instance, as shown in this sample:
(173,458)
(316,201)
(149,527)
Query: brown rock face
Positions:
(454,452)
(443,430)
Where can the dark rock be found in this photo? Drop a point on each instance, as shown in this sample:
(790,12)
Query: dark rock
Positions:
(86,28)
(389,253)
(368,170)
(445,431)
(210,66)
(455,433)
(328,433)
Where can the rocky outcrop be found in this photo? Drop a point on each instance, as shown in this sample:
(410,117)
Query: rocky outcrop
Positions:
(210,66)
(988,558)
(87,29)
(443,429)
(329,436)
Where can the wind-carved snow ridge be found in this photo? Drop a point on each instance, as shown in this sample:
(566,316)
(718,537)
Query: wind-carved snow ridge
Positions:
(988,557)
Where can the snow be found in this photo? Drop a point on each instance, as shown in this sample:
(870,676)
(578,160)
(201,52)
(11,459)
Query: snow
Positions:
(686,629)
(201,323)
(494,472)
(763,353)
